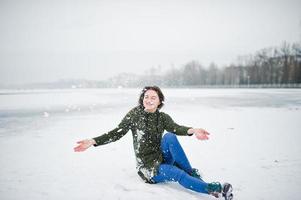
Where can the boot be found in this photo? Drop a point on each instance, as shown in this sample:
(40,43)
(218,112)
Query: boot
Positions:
(227,191)
(214,189)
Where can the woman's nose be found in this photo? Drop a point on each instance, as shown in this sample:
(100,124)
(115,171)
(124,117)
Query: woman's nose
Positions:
(150,101)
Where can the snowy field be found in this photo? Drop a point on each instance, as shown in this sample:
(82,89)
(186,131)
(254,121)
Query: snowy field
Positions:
(254,144)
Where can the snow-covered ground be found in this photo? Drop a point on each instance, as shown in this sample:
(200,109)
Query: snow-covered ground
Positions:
(254,143)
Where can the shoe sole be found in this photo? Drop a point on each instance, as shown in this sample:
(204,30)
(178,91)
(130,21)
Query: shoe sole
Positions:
(230,197)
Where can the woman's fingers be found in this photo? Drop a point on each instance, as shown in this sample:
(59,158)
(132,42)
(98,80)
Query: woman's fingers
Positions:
(77,149)
(205,132)
(201,136)
(81,147)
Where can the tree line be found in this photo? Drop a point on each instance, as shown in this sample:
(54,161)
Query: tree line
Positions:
(269,66)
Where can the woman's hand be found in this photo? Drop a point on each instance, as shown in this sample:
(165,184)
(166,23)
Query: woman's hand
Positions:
(84,145)
(199,133)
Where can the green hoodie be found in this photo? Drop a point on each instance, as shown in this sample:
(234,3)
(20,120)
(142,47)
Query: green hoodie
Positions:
(147,129)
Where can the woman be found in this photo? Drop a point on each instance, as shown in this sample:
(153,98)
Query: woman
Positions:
(159,159)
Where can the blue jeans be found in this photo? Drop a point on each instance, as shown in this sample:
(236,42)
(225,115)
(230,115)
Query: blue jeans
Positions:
(176,166)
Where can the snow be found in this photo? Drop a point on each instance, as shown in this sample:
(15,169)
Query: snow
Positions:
(254,143)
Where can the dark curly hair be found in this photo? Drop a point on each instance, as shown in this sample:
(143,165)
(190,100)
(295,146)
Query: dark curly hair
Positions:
(156,89)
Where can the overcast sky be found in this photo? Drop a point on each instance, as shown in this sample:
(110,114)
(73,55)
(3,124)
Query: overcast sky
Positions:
(48,40)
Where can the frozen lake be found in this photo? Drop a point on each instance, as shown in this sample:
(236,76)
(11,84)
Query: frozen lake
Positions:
(254,143)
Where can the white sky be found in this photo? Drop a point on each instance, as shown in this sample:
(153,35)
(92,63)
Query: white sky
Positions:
(47,40)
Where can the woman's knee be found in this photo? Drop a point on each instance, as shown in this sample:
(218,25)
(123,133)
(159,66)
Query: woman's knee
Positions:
(170,136)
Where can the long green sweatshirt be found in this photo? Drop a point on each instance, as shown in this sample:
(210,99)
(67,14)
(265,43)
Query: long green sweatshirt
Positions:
(147,130)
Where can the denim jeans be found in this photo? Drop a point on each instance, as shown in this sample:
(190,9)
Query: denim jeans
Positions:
(176,166)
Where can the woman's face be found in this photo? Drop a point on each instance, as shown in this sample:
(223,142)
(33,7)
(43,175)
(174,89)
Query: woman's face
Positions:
(151,101)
